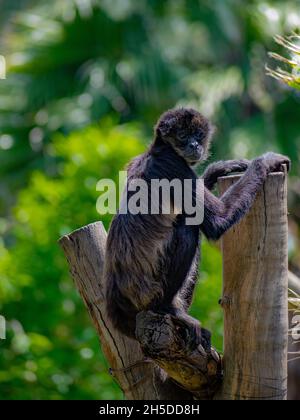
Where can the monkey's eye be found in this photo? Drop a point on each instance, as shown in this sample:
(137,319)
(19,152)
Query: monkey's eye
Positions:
(200,135)
(181,135)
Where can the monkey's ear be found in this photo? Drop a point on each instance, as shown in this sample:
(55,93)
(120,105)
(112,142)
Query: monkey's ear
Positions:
(165,126)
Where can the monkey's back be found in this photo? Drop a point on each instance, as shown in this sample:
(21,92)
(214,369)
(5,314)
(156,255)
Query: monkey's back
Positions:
(134,262)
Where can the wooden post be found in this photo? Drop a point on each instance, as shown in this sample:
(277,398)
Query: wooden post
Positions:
(140,378)
(255,297)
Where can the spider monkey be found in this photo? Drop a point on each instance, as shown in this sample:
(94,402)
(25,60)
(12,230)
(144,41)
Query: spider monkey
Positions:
(152,259)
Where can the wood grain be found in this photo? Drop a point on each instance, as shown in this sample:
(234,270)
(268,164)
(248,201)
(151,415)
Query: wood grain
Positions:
(255,297)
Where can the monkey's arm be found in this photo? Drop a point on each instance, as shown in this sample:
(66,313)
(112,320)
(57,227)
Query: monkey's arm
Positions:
(220,214)
(222,168)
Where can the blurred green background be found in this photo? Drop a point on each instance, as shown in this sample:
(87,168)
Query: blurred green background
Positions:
(86,81)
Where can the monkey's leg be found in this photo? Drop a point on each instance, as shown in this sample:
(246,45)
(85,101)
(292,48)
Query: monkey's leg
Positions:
(222,168)
(184,297)
(189,326)
(182,302)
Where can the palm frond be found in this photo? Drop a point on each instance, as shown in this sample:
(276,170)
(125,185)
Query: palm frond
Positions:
(289,75)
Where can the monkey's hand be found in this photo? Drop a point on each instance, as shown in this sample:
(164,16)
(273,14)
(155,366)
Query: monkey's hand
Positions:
(222,168)
(274,162)
(240,165)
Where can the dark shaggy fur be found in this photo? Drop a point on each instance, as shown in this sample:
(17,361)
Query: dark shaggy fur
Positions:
(152,260)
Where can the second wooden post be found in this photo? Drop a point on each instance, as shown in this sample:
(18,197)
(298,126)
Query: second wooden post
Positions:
(255,266)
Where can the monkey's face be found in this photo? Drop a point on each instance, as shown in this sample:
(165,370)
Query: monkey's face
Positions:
(187,131)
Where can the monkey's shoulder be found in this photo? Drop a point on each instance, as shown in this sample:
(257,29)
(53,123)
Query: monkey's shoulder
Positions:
(159,166)
(137,165)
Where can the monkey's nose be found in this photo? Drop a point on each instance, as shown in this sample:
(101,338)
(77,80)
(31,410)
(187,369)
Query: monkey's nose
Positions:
(194,145)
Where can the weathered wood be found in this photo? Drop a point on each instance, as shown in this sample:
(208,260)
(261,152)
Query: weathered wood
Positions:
(189,361)
(139,378)
(255,291)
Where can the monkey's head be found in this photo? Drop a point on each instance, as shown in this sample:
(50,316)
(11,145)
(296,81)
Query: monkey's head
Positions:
(187,131)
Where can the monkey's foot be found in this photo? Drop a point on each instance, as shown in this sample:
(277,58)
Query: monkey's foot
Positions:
(180,347)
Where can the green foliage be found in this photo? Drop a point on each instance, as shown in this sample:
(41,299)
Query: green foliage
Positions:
(208,293)
(71,64)
(52,350)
